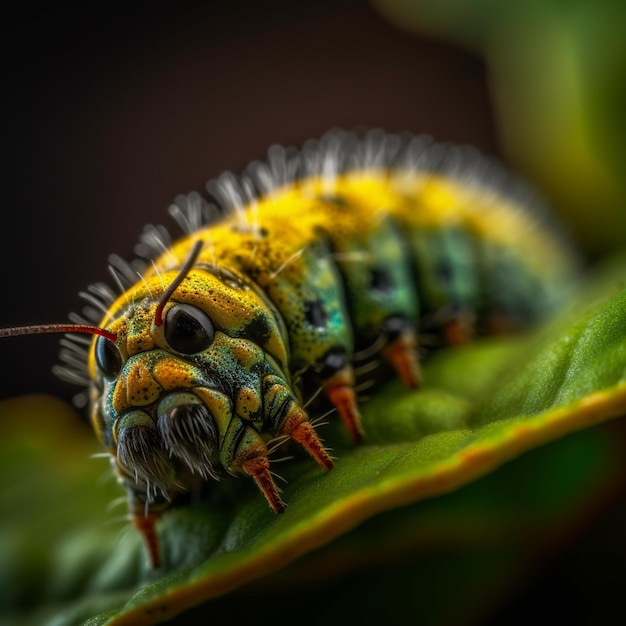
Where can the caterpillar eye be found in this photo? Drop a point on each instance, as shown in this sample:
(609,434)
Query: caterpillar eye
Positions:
(188,329)
(108,357)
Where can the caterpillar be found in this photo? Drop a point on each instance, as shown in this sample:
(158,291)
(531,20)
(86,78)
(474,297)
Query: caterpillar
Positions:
(211,349)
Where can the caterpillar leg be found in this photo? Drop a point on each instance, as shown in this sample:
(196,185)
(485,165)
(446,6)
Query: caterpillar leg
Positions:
(402,354)
(145,523)
(459,329)
(298,427)
(258,468)
(401,351)
(289,418)
(144,520)
(339,389)
(343,398)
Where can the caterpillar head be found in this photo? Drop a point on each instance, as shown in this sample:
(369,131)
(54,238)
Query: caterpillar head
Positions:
(181,369)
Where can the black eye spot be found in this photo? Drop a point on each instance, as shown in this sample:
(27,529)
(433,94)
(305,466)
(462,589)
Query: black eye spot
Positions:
(444,272)
(108,357)
(315,314)
(380,280)
(188,329)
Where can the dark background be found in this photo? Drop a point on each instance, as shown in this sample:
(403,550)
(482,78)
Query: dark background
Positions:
(108,114)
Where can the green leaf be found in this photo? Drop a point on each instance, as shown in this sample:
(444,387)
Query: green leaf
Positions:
(480,406)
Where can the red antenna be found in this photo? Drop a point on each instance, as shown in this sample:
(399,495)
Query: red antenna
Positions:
(39,329)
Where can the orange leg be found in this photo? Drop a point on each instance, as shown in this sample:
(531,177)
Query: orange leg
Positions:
(402,354)
(343,398)
(258,468)
(298,427)
(459,330)
(339,390)
(146,525)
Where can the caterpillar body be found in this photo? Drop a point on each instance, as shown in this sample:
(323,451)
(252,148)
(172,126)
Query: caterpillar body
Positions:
(345,249)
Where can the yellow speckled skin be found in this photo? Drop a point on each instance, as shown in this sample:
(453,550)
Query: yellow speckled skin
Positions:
(201,381)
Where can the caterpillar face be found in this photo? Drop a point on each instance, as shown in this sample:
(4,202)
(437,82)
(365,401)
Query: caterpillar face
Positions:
(196,396)
(318,260)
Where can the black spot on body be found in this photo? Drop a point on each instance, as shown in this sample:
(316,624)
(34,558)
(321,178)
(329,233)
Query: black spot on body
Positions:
(315,314)
(258,329)
(380,280)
